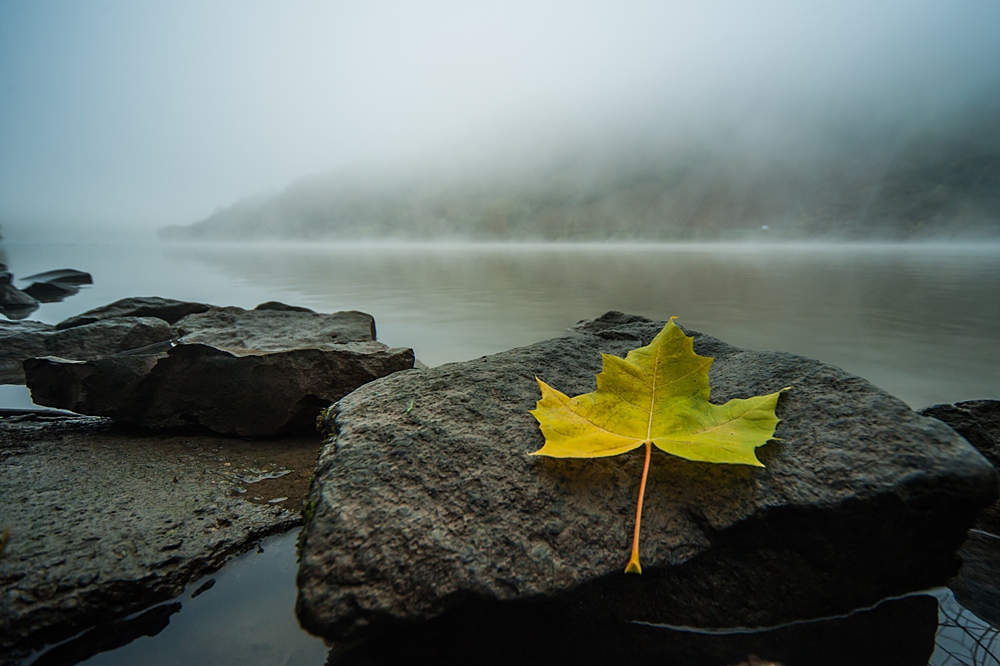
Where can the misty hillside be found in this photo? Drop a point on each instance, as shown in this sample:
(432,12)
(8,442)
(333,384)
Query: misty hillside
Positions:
(932,178)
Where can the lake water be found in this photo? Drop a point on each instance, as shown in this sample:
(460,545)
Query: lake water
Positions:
(921,321)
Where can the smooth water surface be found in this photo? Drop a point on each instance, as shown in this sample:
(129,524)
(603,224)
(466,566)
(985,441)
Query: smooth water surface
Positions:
(921,321)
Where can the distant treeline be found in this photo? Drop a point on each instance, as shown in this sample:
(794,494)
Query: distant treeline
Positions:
(935,179)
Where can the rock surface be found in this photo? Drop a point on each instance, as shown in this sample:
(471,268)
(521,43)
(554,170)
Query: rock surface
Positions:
(53,286)
(62,275)
(977,587)
(14,303)
(254,373)
(274,329)
(167,309)
(26,339)
(106,521)
(427,502)
(979,422)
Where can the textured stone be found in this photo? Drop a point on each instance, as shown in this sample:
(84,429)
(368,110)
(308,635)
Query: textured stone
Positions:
(978,421)
(427,501)
(105,521)
(167,309)
(274,329)
(51,292)
(977,587)
(23,340)
(63,275)
(254,373)
(230,391)
(53,286)
(14,303)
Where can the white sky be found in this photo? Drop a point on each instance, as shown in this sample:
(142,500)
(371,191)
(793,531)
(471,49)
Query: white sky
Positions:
(149,112)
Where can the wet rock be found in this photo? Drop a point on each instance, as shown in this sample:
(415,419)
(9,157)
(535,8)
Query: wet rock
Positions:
(53,286)
(167,309)
(106,521)
(426,510)
(14,303)
(977,585)
(979,422)
(63,276)
(254,373)
(20,341)
(51,292)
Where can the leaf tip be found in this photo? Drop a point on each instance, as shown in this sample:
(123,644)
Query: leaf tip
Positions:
(633,565)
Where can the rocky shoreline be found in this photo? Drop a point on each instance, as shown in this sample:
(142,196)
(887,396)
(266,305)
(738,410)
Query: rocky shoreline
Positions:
(425,511)
(200,440)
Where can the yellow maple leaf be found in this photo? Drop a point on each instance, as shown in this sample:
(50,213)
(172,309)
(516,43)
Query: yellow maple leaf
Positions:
(657,395)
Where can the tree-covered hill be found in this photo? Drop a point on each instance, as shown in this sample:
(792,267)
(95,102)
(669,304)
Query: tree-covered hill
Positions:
(927,178)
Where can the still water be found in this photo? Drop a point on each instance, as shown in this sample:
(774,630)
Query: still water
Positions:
(921,321)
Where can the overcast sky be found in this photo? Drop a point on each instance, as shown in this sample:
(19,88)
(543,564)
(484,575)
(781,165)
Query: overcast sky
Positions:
(147,113)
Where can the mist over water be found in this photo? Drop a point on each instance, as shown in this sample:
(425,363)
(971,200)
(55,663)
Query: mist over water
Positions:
(545,120)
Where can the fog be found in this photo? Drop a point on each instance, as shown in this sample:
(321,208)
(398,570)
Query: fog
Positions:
(138,115)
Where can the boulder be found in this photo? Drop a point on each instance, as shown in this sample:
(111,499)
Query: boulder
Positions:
(20,341)
(978,421)
(428,505)
(254,373)
(105,521)
(166,309)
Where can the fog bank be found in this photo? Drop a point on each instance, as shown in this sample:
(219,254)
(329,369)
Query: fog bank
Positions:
(138,115)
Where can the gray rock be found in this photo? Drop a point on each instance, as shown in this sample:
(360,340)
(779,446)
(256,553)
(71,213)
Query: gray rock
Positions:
(978,421)
(105,522)
(230,391)
(63,275)
(51,292)
(427,502)
(23,340)
(977,586)
(53,286)
(277,305)
(254,373)
(166,309)
(14,303)
(273,329)
(610,319)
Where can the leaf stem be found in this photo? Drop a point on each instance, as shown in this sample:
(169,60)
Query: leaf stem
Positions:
(633,562)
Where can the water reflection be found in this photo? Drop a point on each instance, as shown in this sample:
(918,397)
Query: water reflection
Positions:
(246,617)
(896,632)
(909,318)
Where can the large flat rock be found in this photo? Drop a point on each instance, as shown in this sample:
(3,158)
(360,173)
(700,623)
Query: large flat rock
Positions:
(254,373)
(105,521)
(427,502)
(22,340)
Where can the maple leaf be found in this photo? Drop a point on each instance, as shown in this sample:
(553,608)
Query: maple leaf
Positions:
(657,395)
